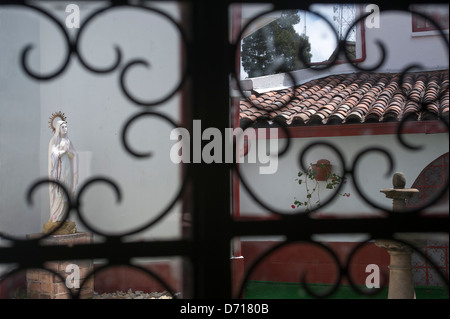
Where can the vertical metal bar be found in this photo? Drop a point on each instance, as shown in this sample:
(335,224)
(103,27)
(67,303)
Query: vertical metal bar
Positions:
(211,187)
(235,32)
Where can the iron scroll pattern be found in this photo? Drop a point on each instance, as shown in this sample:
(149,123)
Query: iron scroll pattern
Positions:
(30,253)
(35,246)
(298,235)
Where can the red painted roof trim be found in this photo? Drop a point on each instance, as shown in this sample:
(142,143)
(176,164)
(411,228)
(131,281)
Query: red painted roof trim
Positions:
(421,127)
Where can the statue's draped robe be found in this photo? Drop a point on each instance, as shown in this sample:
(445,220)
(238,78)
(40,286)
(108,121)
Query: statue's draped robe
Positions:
(62,169)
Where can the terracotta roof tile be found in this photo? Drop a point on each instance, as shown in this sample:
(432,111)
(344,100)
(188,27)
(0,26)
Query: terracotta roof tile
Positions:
(354,98)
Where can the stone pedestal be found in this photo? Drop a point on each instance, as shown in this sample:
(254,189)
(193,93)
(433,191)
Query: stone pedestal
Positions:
(68,227)
(401,284)
(43,284)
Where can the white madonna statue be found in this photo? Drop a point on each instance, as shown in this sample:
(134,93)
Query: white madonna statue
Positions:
(62,167)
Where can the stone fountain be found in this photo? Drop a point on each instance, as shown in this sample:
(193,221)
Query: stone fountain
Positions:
(401,284)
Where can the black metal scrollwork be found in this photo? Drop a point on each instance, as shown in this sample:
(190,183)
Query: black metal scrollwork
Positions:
(75,203)
(347,170)
(125,67)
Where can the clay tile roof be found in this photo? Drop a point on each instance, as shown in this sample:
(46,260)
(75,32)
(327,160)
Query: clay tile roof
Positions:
(353,98)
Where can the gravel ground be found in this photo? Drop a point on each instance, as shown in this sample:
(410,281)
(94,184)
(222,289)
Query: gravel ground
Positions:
(132,295)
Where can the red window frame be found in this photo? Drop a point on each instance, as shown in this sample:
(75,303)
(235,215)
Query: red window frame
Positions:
(420,24)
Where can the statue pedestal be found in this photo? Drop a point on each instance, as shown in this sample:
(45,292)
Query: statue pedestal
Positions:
(67,227)
(43,284)
(401,284)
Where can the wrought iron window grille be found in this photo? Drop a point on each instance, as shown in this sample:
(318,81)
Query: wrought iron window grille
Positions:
(206,242)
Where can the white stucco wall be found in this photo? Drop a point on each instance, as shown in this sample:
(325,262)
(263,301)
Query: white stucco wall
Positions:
(403,47)
(19,121)
(279,190)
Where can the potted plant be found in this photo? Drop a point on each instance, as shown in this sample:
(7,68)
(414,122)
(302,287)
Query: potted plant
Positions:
(322,170)
(315,173)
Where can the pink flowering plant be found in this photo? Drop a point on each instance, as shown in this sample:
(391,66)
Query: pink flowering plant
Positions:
(309,181)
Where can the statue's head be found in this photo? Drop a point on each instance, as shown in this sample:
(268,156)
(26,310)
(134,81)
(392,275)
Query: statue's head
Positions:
(63,128)
(51,122)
